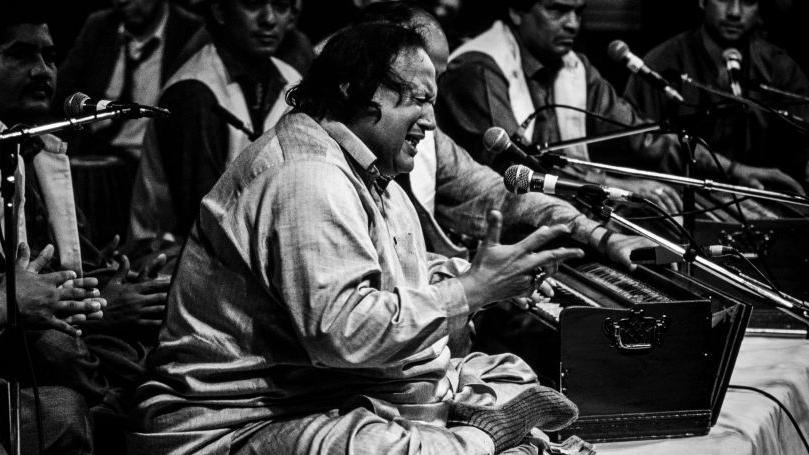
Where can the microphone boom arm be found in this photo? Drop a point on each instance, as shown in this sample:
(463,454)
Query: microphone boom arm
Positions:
(784,302)
(547,158)
(72,122)
(785,116)
(640,129)
(711,185)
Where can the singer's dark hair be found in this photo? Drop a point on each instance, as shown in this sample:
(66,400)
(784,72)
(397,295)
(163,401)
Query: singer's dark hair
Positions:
(343,79)
(397,12)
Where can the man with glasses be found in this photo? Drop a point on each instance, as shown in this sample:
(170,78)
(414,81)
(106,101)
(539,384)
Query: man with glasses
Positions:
(227,93)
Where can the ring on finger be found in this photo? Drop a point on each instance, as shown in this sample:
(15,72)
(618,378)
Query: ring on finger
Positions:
(658,191)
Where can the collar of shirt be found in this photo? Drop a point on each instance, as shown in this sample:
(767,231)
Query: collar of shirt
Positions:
(242,72)
(531,66)
(136,44)
(358,151)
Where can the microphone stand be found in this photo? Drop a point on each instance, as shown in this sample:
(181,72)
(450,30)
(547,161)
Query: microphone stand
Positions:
(786,94)
(9,154)
(785,116)
(559,160)
(21,134)
(786,303)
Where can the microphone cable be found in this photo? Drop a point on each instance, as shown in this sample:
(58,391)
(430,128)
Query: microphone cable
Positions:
(745,223)
(780,405)
(693,249)
(766,276)
(17,368)
(35,388)
(541,109)
(691,212)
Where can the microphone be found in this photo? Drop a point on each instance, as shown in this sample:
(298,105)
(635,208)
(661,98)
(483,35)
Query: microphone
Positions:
(733,63)
(496,140)
(619,51)
(79,104)
(520,180)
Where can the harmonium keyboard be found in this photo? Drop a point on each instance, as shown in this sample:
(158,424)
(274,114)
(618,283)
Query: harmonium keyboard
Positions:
(776,240)
(644,354)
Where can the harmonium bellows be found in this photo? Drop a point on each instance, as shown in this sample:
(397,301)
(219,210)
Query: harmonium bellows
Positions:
(644,354)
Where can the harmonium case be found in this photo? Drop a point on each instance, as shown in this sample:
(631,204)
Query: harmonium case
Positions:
(646,354)
(775,236)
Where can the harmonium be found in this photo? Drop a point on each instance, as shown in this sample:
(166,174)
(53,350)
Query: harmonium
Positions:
(775,238)
(644,354)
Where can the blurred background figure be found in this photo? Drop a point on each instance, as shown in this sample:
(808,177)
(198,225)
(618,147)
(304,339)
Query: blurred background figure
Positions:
(749,136)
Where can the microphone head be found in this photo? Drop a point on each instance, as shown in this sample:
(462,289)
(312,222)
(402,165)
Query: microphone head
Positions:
(732,54)
(495,139)
(74,104)
(517,179)
(617,50)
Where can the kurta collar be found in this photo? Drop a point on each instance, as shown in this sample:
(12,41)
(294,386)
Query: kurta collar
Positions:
(357,150)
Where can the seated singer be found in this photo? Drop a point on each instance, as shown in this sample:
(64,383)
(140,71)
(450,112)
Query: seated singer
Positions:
(306,315)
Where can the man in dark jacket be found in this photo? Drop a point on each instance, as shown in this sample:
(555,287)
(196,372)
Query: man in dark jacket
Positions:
(126,53)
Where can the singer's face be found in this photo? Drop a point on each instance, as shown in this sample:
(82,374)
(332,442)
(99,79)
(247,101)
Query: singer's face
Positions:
(549,28)
(27,72)
(728,21)
(254,27)
(404,118)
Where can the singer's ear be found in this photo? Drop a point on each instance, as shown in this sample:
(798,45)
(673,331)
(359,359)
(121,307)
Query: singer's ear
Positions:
(702,4)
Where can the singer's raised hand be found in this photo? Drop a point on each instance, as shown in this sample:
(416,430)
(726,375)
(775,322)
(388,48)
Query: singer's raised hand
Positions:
(500,272)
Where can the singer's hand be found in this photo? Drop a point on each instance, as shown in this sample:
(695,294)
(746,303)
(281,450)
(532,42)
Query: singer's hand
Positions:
(500,272)
(662,195)
(759,177)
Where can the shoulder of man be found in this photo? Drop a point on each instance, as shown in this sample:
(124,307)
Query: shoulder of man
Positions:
(673,48)
(182,15)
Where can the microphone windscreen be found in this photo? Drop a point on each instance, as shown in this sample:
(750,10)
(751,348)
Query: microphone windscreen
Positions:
(74,103)
(495,139)
(517,179)
(617,50)
(733,54)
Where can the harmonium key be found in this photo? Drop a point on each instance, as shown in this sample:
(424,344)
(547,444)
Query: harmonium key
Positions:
(602,285)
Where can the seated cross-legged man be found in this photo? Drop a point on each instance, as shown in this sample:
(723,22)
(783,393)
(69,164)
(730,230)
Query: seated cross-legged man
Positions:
(306,315)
